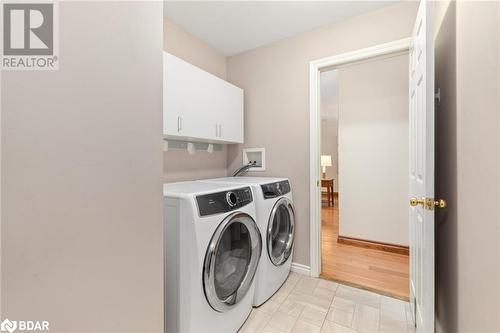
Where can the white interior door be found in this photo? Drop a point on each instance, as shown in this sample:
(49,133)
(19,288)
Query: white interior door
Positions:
(422,170)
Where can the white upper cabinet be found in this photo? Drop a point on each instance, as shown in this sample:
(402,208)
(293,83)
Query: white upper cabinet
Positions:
(198,106)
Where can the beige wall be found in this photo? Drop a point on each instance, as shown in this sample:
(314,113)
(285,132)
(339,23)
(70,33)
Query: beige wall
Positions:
(276,83)
(467,167)
(191,49)
(329,109)
(178,164)
(373,150)
(82,173)
(329,146)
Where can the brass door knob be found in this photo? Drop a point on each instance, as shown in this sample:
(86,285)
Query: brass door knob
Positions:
(428,203)
(416,201)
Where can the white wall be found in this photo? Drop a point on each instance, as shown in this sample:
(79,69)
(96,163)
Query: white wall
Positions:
(329,146)
(373,150)
(82,176)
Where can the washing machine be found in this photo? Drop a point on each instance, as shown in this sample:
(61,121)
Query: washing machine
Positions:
(212,250)
(276,221)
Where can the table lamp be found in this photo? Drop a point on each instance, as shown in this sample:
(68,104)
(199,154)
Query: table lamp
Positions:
(326,161)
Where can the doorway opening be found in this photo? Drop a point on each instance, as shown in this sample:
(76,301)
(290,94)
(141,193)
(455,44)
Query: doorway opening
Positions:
(361,154)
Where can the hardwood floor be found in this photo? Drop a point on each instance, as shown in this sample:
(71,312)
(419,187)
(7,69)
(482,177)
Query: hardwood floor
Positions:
(380,271)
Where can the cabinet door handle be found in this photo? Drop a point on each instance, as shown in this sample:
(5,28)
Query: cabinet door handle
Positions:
(220,131)
(216,130)
(179,124)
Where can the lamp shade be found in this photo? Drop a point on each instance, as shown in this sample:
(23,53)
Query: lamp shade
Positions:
(326,160)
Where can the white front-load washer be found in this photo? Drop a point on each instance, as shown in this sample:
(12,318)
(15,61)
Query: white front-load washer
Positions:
(276,221)
(212,250)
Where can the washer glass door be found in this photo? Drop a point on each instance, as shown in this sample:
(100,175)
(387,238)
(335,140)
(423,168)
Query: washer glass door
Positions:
(231,261)
(280,231)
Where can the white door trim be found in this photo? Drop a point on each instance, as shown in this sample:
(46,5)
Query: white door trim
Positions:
(315,130)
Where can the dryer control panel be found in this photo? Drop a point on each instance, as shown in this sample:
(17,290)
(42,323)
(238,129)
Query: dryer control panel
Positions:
(274,190)
(223,202)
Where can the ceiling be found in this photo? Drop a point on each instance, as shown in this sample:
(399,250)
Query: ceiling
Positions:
(236,26)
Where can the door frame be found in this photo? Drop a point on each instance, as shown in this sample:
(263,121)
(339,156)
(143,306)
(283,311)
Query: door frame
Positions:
(315,68)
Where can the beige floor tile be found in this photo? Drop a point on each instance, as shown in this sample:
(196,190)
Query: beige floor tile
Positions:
(392,326)
(324,293)
(392,315)
(358,296)
(281,321)
(393,306)
(409,316)
(255,322)
(311,300)
(407,306)
(270,306)
(305,327)
(282,293)
(270,329)
(287,287)
(366,319)
(313,315)
(343,304)
(291,308)
(293,278)
(409,319)
(331,327)
(305,304)
(330,285)
(340,316)
(307,285)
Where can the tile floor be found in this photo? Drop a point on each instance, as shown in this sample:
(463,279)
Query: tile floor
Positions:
(305,304)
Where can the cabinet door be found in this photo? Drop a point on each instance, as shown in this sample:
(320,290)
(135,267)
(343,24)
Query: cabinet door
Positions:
(231,115)
(172,102)
(185,99)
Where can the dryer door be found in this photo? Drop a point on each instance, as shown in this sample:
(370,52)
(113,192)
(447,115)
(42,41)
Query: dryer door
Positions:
(280,231)
(231,261)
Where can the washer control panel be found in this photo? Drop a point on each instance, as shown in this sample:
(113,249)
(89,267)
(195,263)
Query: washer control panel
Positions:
(223,202)
(274,190)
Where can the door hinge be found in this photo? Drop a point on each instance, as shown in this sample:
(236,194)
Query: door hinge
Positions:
(437,96)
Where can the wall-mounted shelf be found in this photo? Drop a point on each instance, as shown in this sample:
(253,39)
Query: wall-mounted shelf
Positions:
(198,146)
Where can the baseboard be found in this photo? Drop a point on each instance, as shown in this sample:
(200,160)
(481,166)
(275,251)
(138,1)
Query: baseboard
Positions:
(301,269)
(400,249)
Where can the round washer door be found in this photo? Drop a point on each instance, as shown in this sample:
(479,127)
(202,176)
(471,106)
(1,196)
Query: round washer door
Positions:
(280,231)
(231,261)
